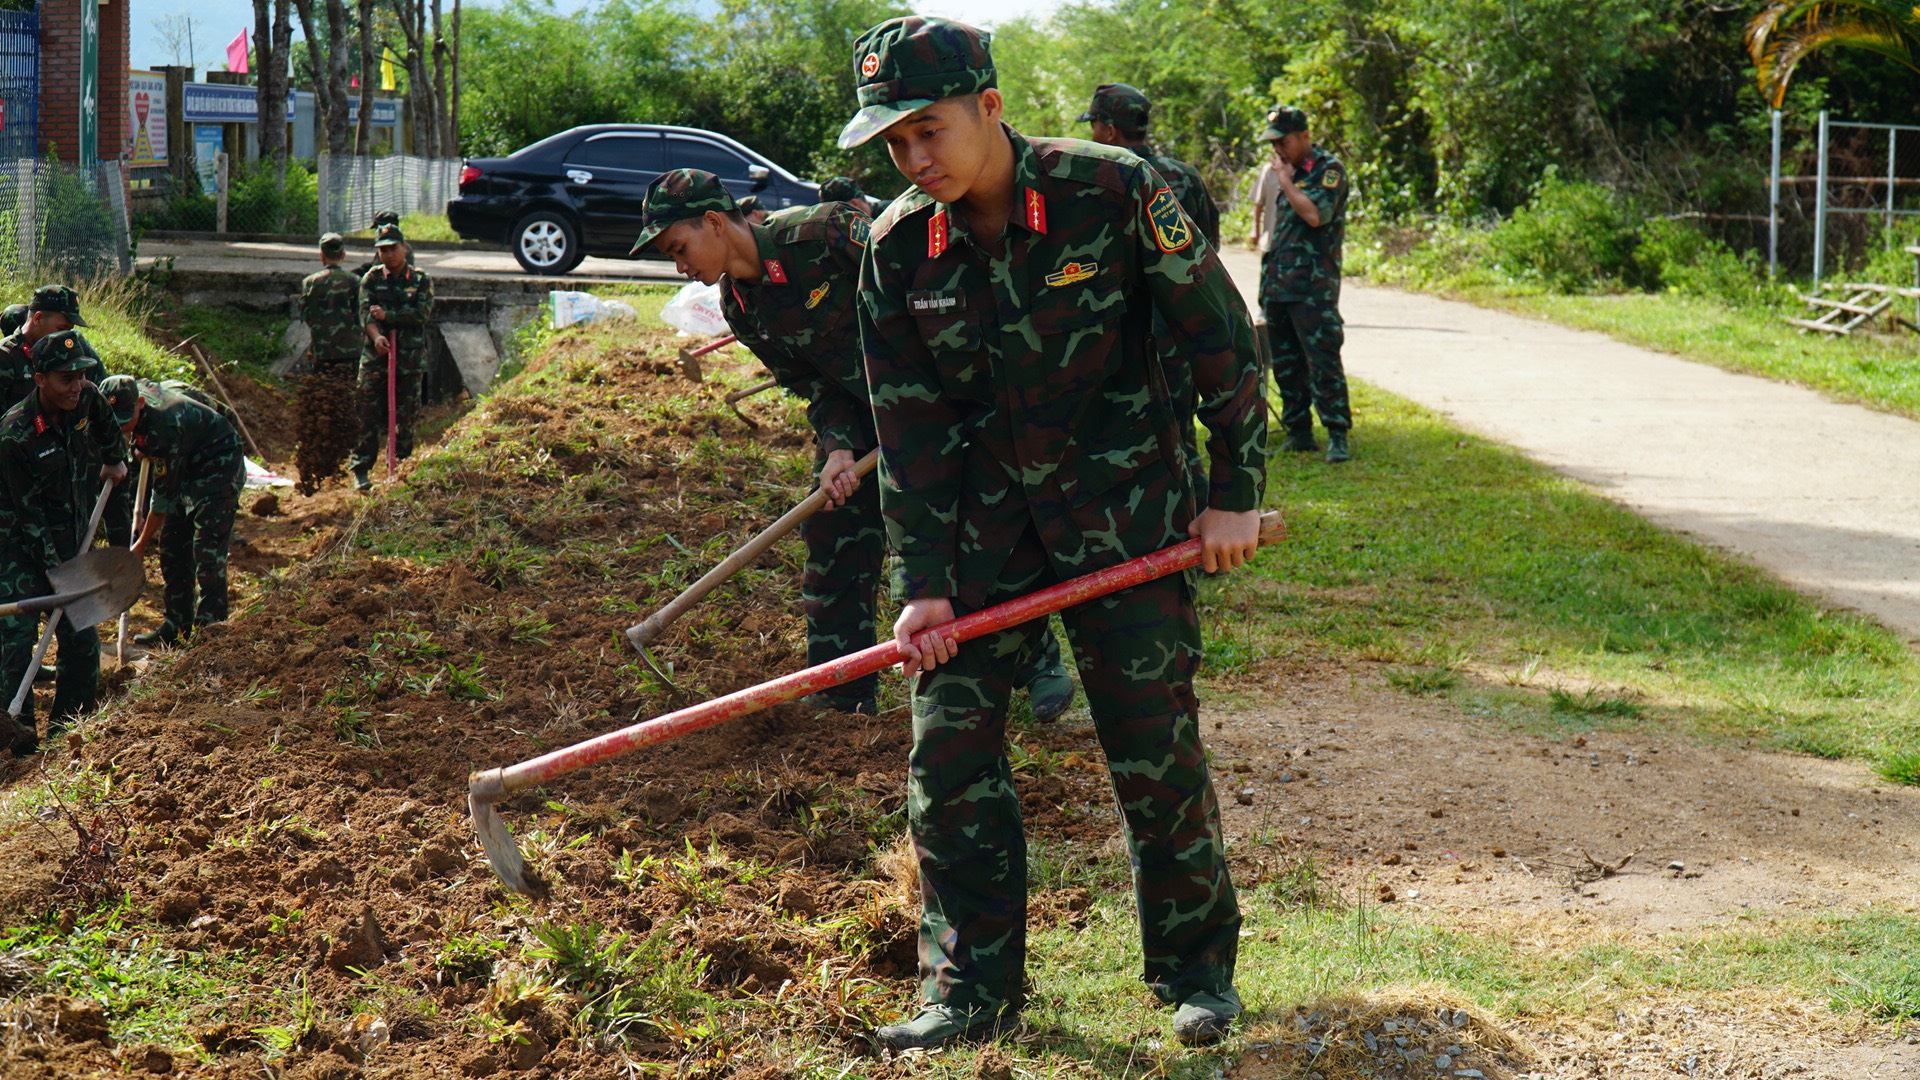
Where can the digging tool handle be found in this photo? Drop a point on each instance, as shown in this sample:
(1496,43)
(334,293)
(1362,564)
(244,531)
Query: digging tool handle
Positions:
(47,603)
(491,786)
(214,377)
(713,345)
(139,503)
(46,636)
(393,402)
(757,388)
(642,635)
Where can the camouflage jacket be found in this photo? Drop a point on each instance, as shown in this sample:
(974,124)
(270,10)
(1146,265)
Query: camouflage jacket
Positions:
(330,306)
(50,476)
(16,368)
(1021,391)
(407,299)
(799,317)
(183,437)
(1187,186)
(1304,261)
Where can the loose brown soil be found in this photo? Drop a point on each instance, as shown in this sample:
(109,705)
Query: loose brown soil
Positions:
(294,785)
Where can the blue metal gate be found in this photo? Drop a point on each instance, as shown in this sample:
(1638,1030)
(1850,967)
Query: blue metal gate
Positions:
(19,85)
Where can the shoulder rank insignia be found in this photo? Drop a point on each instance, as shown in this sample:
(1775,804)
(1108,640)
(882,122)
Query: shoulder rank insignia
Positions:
(1036,212)
(1332,179)
(937,234)
(775,272)
(858,231)
(1170,228)
(1072,272)
(817,295)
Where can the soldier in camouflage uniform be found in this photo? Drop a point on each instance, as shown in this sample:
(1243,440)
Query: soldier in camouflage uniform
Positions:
(1027,437)
(56,448)
(53,309)
(843,189)
(787,289)
(12,318)
(330,306)
(1300,285)
(396,298)
(198,471)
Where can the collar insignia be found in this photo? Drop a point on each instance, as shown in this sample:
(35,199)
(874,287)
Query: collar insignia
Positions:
(937,234)
(775,272)
(817,295)
(1072,272)
(1036,212)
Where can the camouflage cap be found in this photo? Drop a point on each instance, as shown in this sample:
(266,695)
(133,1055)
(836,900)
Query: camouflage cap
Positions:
(1283,121)
(674,197)
(122,393)
(333,244)
(904,65)
(839,189)
(386,217)
(57,298)
(61,352)
(1123,106)
(13,318)
(387,236)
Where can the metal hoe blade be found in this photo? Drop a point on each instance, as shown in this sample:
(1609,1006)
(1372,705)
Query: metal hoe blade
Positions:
(639,642)
(484,789)
(117,569)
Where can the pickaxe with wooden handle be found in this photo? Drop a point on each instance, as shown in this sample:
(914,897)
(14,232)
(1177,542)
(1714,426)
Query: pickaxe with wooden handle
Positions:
(485,789)
(642,634)
(690,358)
(734,399)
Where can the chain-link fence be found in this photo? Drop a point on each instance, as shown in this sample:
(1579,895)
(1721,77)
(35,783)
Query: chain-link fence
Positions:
(54,218)
(1847,193)
(357,188)
(258,201)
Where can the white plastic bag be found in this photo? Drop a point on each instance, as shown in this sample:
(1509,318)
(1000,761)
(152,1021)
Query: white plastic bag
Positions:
(569,307)
(695,309)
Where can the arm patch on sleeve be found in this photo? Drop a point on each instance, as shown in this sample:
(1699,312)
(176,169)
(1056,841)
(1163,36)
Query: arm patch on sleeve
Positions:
(1171,229)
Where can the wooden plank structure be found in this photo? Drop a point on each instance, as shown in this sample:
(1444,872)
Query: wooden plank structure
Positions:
(1862,301)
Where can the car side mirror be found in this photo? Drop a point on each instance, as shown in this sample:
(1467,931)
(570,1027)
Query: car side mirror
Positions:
(758,174)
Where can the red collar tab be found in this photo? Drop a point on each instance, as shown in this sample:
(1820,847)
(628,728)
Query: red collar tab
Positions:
(731,284)
(775,272)
(39,424)
(1036,212)
(937,234)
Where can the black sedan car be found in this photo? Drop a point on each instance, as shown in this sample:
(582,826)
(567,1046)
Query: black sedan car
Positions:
(579,193)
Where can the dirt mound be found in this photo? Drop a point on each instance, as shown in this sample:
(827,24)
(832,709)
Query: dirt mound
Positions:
(295,781)
(1416,1032)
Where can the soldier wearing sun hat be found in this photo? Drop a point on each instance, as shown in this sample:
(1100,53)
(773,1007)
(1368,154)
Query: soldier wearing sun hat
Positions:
(1026,437)
(56,448)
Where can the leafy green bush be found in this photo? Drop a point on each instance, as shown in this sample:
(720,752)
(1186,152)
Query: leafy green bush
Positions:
(1676,255)
(186,210)
(1570,237)
(257,203)
(77,234)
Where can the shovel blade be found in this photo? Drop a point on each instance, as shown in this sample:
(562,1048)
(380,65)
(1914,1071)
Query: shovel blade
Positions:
(119,570)
(690,365)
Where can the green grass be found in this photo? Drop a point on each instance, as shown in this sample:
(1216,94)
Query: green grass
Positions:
(248,340)
(419,226)
(1433,548)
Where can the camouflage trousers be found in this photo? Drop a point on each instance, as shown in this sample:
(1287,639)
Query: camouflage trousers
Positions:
(1137,651)
(1306,337)
(194,541)
(116,524)
(846,554)
(78,682)
(327,422)
(373,412)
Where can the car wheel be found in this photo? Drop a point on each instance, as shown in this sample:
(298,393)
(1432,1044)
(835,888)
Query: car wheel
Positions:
(546,243)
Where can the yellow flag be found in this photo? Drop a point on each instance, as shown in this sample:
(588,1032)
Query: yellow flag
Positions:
(387,60)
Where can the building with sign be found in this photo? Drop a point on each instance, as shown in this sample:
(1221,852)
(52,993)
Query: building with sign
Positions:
(83,79)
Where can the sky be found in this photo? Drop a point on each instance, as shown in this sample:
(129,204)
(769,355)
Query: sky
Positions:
(215,22)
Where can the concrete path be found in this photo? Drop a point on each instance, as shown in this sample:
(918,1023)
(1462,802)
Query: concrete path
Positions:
(266,258)
(1823,495)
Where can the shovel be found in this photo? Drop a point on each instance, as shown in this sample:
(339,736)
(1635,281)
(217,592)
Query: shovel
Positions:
(46,636)
(642,634)
(487,788)
(93,588)
(139,503)
(393,403)
(690,358)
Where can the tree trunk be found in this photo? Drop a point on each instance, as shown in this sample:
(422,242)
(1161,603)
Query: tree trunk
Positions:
(328,71)
(444,147)
(363,137)
(421,100)
(272,42)
(453,107)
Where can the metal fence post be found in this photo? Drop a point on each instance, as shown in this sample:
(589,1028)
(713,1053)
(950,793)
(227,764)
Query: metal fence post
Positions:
(1893,137)
(1773,206)
(323,218)
(1820,206)
(27,170)
(219,183)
